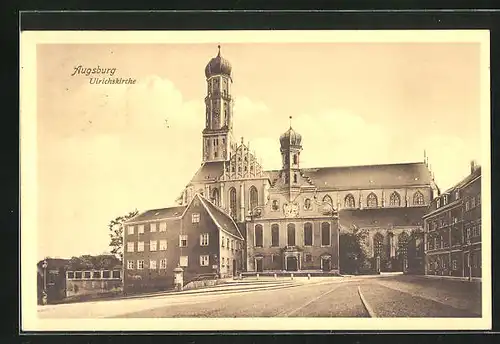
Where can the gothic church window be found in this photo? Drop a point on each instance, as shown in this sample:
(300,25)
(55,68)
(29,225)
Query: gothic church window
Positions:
(418,198)
(378,244)
(371,201)
(308,234)
(291,234)
(349,201)
(295,177)
(232,202)
(254,197)
(403,245)
(258,236)
(395,199)
(295,160)
(215,196)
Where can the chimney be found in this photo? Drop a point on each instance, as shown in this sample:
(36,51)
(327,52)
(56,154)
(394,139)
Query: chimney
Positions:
(472,166)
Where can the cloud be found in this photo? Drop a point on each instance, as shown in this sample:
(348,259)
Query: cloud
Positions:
(118,155)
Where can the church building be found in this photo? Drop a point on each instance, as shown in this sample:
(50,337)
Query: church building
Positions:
(292,218)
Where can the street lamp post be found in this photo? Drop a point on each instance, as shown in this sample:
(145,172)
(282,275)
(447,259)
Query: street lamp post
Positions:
(44,292)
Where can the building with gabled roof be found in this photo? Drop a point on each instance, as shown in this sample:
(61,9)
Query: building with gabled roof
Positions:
(200,237)
(453,229)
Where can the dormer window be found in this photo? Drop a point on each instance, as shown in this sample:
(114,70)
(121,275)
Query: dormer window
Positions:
(445,199)
(438,203)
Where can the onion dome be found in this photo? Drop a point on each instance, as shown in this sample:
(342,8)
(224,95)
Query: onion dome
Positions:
(290,138)
(218,65)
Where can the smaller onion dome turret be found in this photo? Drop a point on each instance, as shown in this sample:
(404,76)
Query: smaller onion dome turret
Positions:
(290,138)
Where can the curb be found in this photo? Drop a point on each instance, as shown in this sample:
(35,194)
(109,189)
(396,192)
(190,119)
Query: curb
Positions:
(367,306)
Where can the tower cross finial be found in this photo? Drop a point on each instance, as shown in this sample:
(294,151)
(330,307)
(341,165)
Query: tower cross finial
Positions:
(290,122)
(218,54)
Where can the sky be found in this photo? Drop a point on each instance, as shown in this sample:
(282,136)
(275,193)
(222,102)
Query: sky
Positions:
(104,150)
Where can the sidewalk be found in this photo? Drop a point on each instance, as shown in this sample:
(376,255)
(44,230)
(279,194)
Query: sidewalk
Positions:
(451,278)
(227,288)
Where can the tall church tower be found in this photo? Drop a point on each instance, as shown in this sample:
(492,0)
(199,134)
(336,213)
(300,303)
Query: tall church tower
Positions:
(218,133)
(291,145)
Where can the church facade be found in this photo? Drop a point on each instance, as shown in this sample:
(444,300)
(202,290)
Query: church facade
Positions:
(292,218)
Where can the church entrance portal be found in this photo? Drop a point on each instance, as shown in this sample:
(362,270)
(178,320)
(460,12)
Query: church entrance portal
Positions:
(291,264)
(258,263)
(326,264)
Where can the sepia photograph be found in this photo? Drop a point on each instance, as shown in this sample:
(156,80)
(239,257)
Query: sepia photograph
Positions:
(271,180)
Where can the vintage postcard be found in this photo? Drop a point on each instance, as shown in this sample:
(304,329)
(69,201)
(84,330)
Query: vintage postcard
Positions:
(255,180)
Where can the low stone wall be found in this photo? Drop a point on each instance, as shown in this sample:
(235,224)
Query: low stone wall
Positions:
(203,284)
(88,287)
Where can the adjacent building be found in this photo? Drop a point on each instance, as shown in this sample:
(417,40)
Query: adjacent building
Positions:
(453,229)
(199,237)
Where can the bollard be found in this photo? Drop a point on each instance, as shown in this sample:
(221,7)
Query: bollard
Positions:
(257,276)
(291,275)
(308,276)
(275,276)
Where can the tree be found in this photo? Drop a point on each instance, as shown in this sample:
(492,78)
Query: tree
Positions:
(116,228)
(353,249)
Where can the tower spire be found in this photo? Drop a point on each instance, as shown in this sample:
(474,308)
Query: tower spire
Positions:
(290,122)
(218,54)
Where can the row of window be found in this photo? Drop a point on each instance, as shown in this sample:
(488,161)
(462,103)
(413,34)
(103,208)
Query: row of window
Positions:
(195,218)
(104,274)
(229,244)
(204,260)
(472,202)
(152,246)
(152,264)
(308,234)
(443,263)
(183,242)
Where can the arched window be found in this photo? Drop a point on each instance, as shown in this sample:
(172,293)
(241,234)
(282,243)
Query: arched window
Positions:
(395,199)
(378,245)
(308,234)
(215,196)
(325,234)
(349,201)
(259,241)
(275,235)
(232,202)
(290,234)
(254,197)
(327,199)
(371,201)
(295,177)
(403,245)
(418,198)
(295,160)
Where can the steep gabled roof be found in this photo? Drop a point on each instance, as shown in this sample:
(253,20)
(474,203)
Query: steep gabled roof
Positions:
(158,214)
(222,220)
(367,176)
(209,171)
